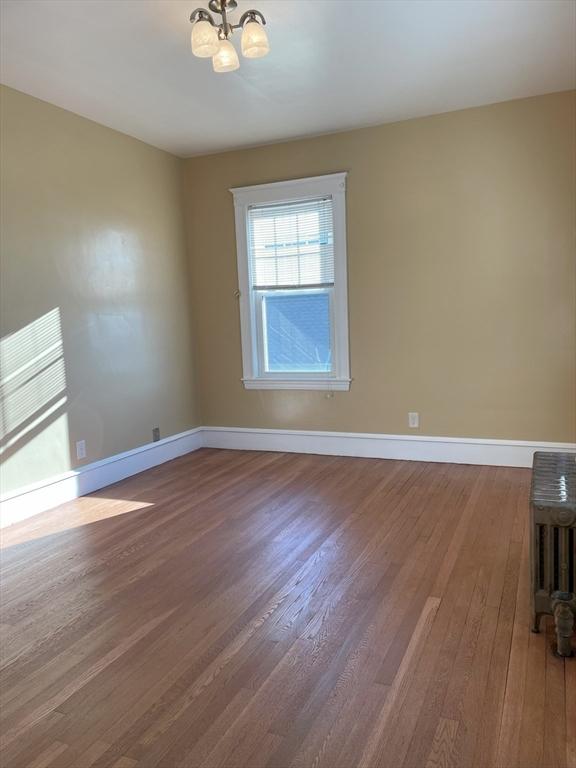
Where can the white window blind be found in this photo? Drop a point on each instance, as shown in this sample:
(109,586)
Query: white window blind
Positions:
(291,245)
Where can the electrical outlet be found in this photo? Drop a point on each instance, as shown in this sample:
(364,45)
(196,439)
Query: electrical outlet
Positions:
(81,449)
(413,420)
(155,434)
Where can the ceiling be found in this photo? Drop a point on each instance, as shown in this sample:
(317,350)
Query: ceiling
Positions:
(333,65)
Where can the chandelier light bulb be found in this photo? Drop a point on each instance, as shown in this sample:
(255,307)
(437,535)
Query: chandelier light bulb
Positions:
(254,40)
(226,59)
(205,41)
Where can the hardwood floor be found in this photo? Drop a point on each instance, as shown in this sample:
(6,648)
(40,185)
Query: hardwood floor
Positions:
(267,609)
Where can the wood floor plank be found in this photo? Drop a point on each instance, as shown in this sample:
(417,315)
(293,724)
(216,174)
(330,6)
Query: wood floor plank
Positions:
(49,756)
(570,688)
(239,609)
(374,751)
(509,736)
(554,753)
(442,751)
(531,724)
(463,599)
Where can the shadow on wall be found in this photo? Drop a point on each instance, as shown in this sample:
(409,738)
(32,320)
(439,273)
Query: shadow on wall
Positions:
(33,398)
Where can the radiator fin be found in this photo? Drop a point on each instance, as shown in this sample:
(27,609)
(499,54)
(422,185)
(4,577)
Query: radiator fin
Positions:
(542,559)
(571,560)
(556,558)
(555,566)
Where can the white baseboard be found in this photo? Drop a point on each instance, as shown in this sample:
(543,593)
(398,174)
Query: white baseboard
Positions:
(42,496)
(46,494)
(455,450)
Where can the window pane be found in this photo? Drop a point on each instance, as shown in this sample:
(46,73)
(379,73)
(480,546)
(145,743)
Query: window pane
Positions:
(297,333)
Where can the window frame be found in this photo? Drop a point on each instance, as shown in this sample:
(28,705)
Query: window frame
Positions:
(253,373)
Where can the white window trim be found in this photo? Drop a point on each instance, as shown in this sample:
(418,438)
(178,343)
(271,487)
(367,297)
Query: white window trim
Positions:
(333,184)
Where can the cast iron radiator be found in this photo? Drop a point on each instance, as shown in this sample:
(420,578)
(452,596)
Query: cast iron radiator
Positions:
(553,500)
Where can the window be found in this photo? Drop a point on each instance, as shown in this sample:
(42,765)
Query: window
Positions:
(291,244)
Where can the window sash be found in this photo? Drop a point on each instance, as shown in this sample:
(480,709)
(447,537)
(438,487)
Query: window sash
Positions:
(291,244)
(258,308)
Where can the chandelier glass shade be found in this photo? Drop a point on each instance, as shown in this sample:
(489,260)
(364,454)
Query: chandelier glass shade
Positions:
(254,40)
(226,60)
(211,38)
(205,41)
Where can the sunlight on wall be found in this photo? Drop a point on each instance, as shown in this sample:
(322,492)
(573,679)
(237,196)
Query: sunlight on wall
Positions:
(33,399)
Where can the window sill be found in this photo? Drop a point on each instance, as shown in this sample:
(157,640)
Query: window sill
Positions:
(333,385)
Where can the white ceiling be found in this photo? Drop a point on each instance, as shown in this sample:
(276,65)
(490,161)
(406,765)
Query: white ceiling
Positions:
(334,64)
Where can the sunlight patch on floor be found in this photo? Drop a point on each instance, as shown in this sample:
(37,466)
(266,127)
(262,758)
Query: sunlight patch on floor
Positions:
(76,514)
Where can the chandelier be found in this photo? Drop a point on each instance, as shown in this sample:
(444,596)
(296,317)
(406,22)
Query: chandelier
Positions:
(210,38)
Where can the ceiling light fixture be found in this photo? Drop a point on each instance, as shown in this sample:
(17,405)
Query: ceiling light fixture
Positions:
(210,38)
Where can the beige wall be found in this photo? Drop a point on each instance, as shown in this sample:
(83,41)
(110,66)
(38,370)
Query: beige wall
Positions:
(462,272)
(462,278)
(95,322)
